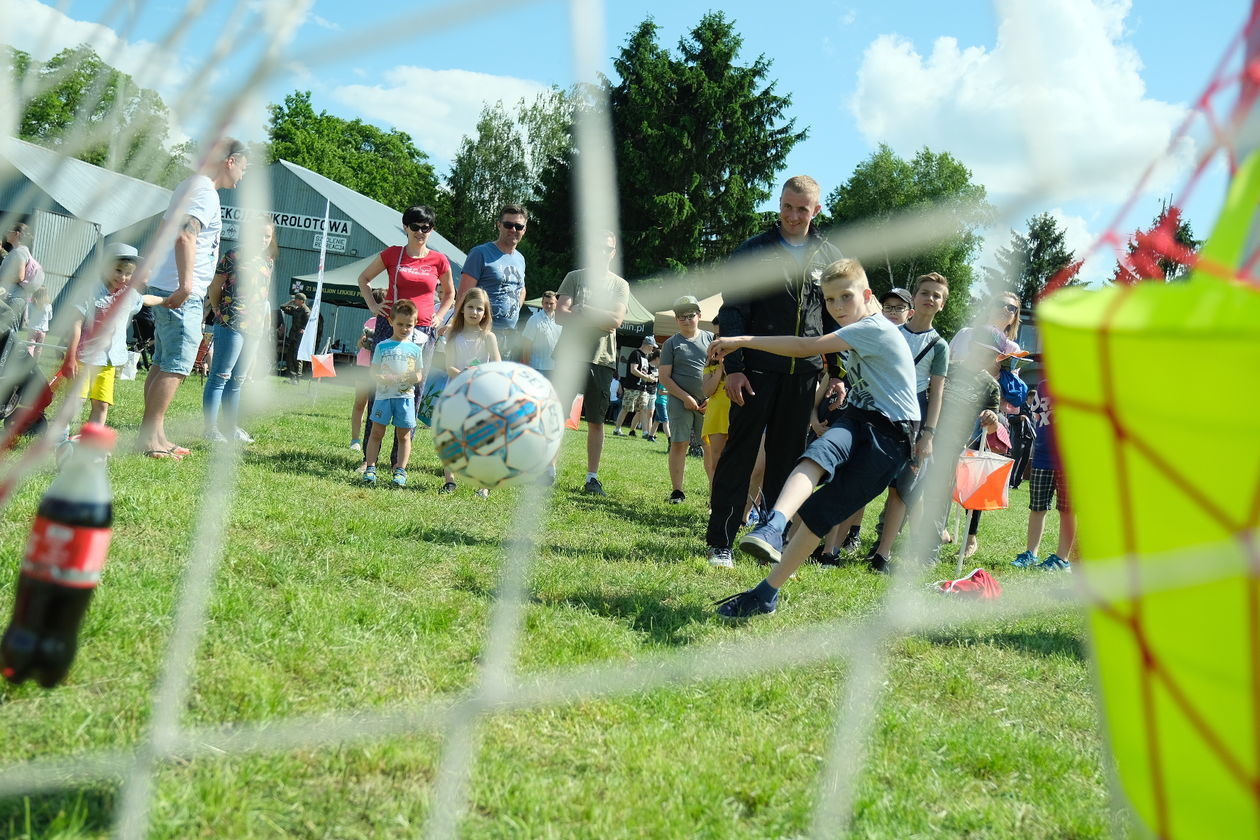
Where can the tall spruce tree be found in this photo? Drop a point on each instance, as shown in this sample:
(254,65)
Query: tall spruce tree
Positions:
(700,139)
(1163,251)
(1029,261)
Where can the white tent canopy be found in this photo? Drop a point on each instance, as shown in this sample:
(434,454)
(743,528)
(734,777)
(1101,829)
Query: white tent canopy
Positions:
(341,285)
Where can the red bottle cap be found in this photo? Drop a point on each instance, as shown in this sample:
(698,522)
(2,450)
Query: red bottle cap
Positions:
(94,434)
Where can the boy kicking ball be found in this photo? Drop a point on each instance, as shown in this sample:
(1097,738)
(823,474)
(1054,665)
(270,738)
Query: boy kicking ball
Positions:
(862,451)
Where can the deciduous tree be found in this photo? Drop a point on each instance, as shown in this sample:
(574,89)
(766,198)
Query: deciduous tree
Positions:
(384,165)
(884,185)
(82,106)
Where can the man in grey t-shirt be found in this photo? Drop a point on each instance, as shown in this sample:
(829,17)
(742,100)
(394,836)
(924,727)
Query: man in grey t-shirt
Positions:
(682,373)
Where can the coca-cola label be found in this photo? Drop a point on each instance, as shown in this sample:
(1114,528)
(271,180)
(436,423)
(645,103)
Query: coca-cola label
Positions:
(65,555)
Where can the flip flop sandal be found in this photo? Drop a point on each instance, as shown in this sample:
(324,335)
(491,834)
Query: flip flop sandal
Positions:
(179,451)
(162,455)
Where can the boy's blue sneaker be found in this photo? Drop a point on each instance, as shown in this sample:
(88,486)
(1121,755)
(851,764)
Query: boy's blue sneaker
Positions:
(1055,563)
(745,605)
(1025,559)
(764,542)
(400,477)
(369,476)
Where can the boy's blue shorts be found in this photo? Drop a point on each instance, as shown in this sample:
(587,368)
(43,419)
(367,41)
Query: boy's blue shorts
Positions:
(859,459)
(400,412)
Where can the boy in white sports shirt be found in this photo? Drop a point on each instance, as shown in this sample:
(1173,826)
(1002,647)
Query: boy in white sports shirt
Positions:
(862,451)
(106,349)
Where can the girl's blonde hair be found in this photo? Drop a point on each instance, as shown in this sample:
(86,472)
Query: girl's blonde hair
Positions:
(1012,329)
(475,293)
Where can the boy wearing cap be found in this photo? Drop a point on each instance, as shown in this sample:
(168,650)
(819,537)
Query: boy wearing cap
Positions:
(897,304)
(106,344)
(682,373)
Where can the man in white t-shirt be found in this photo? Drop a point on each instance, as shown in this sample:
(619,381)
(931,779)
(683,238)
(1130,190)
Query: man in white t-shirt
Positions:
(183,277)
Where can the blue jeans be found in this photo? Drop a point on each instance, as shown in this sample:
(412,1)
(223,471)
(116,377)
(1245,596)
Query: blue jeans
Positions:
(227,375)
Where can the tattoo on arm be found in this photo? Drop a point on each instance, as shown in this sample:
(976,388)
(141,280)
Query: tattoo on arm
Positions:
(191,225)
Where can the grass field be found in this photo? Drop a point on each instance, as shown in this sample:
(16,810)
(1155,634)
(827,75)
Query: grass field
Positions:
(334,598)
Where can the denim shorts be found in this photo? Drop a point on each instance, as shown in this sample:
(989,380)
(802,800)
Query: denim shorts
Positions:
(399,412)
(177,333)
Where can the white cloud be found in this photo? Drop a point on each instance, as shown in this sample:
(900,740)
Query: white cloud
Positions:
(1060,95)
(46,31)
(436,107)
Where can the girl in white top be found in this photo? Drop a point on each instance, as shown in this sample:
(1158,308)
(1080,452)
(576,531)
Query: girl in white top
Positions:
(470,342)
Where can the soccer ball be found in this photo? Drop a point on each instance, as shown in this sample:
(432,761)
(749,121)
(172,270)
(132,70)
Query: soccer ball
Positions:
(498,423)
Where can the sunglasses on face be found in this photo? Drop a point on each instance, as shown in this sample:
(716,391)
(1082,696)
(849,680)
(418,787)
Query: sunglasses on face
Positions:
(1009,307)
(513,225)
(420,227)
(687,316)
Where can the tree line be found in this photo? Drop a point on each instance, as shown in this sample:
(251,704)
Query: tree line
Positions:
(701,137)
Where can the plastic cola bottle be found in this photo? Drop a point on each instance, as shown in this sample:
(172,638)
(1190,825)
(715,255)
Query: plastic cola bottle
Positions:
(62,565)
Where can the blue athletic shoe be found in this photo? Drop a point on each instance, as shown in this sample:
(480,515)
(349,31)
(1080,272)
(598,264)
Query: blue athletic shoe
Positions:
(1025,559)
(369,476)
(745,605)
(764,542)
(1055,563)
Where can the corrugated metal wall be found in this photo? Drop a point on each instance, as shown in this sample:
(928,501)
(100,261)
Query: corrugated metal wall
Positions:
(61,245)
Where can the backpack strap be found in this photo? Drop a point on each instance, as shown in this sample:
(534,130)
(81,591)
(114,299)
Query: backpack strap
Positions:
(925,350)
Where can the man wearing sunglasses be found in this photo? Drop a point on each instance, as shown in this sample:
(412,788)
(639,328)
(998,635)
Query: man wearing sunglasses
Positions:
(499,270)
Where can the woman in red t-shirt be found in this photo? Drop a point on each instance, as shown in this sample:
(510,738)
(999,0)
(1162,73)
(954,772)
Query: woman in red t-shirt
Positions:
(414,272)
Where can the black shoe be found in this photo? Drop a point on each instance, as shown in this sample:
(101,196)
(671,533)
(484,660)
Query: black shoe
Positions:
(745,605)
(852,542)
(632,433)
(593,487)
(677,497)
(828,559)
(879,563)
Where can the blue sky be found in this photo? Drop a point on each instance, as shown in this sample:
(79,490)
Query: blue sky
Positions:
(1085,92)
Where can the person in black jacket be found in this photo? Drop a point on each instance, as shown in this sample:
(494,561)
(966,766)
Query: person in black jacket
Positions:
(771,395)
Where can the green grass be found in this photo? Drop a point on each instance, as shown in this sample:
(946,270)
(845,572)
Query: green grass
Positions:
(334,598)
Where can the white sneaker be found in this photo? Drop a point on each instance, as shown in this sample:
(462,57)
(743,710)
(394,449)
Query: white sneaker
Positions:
(243,436)
(355,446)
(483,493)
(721,557)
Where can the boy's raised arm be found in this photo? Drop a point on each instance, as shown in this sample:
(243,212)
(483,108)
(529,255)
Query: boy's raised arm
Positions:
(784,345)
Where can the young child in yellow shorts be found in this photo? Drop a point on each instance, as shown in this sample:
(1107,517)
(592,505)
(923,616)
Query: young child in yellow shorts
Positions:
(105,347)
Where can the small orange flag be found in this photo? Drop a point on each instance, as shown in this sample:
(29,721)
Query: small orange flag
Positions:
(575,416)
(322,366)
(982,480)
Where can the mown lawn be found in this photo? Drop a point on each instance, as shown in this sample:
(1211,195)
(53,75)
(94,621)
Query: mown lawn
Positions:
(334,598)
